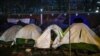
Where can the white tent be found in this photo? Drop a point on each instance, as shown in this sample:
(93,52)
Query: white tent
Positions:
(80,33)
(10,33)
(29,32)
(44,41)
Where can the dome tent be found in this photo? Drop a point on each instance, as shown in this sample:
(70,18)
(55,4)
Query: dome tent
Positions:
(86,35)
(45,40)
(10,33)
(80,33)
(28,32)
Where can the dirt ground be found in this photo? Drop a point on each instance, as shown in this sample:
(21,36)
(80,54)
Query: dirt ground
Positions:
(43,52)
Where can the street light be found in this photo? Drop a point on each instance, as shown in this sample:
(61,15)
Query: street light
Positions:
(41,9)
(52,14)
(96,11)
(30,14)
(65,14)
(76,14)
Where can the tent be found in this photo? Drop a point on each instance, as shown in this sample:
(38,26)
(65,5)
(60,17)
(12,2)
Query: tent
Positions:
(28,32)
(10,33)
(44,41)
(80,33)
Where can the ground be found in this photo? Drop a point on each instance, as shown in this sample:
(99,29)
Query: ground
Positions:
(16,51)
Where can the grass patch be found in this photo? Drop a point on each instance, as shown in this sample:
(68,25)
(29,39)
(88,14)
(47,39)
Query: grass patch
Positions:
(81,47)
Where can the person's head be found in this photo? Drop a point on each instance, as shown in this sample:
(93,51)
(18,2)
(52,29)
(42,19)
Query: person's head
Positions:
(78,20)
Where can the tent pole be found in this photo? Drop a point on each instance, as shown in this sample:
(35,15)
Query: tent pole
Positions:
(69,28)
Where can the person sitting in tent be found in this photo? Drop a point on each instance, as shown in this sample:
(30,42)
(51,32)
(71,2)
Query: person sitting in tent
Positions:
(27,34)
(48,41)
(79,32)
